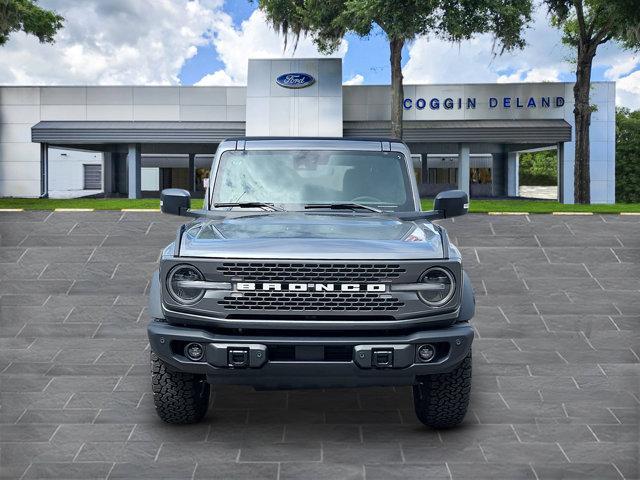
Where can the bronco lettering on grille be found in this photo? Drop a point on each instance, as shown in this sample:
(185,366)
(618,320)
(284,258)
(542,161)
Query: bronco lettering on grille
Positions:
(311,287)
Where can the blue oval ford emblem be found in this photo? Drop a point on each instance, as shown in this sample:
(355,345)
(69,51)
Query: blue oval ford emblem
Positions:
(295,80)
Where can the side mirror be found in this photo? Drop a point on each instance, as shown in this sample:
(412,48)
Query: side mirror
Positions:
(451,203)
(175,201)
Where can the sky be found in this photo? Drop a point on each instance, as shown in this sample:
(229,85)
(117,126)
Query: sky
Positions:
(208,42)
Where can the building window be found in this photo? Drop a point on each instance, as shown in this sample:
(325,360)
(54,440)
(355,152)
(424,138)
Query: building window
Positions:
(92,177)
(480,175)
(201,175)
(416,160)
(443,176)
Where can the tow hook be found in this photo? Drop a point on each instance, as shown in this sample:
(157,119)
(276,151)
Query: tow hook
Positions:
(384,356)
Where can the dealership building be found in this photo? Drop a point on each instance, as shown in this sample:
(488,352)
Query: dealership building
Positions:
(136,140)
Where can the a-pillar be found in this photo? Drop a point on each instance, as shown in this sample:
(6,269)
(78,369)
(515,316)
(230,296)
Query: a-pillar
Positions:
(464,152)
(513,167)
(192,173)
(134,170)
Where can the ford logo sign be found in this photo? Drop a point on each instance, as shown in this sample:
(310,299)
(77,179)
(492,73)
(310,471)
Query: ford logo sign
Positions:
(295,80)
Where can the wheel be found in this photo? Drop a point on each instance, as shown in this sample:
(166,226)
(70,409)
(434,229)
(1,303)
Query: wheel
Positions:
(441,400)
(179,397)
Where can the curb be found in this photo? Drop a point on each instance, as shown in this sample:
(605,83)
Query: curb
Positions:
(11,209)
(140,210)
(630,213)
(571,213)
(74,209)
(507,213)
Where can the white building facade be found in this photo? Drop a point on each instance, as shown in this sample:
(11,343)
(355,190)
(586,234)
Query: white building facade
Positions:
(148,138)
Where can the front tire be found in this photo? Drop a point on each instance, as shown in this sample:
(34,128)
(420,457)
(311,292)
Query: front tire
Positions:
(442,400)
(179,397)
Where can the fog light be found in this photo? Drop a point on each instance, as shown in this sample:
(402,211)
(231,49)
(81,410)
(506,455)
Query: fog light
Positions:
(194,352)
(426,352)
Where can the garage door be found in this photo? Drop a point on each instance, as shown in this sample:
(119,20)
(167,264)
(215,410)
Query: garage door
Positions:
(92,177)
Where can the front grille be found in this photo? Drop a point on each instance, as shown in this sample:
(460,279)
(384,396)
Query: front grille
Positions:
(311,272)
(312,301)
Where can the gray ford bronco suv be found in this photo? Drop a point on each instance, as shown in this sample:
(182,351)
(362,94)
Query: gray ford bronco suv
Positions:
(311,265)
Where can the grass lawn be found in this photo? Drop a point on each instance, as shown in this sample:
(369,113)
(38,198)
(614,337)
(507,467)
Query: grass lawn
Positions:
(539,206)
(95,203)
(476,206)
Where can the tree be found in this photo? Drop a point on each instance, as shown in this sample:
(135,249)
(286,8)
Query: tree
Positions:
(28,17)
(327,22)
(627,155)
(539,168)
(587,24)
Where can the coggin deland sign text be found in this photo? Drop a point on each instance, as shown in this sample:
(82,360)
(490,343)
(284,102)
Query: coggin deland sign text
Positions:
(301,80)
(469,103)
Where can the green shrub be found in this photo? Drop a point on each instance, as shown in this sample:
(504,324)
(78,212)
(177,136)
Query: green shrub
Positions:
(627,156)
(539,168)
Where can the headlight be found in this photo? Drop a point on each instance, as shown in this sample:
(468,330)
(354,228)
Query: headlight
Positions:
(440,286)
(178,284)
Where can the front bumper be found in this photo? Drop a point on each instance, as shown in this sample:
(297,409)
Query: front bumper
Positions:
(308,366)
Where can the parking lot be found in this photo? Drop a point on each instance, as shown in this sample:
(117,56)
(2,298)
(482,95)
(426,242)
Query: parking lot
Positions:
(555,387)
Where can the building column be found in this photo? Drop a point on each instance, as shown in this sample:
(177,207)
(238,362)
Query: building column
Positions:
(499,173)
(464,152)
(44,170)
(192,173)
(561,176)
(108,173)
(134,165)
(425,167)
(513,172)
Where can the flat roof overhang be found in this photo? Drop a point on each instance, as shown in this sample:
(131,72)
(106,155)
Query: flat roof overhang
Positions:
(103,132)
(474,131)
(430,131)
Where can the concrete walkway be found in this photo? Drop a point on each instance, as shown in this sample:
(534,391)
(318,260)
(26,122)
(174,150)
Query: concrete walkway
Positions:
(545,193)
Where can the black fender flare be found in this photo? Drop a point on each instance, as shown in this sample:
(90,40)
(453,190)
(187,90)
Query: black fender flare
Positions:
(468,306)
(155,298)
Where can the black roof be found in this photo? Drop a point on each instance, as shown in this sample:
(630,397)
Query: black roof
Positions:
(352,139)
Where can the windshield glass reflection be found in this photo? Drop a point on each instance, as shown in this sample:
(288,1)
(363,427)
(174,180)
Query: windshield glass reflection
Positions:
(298,178)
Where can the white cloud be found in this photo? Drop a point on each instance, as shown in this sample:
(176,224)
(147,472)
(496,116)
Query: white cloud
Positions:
(545,58)
(622,65)
(114,42)
(434,60)
(143,42)
(628,91)
(219,77)
(621,70)
(357,79)
(531,75)
(254,39)
(149,41)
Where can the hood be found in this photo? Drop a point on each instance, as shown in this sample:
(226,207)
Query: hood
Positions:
(311,235)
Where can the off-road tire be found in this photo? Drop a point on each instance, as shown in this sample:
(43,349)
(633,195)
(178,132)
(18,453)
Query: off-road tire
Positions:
(441,400)
(179,397)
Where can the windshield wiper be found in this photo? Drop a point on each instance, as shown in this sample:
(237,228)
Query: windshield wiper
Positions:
(269,207)
(343,206)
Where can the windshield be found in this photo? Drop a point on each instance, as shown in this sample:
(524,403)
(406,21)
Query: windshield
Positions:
(297,178)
